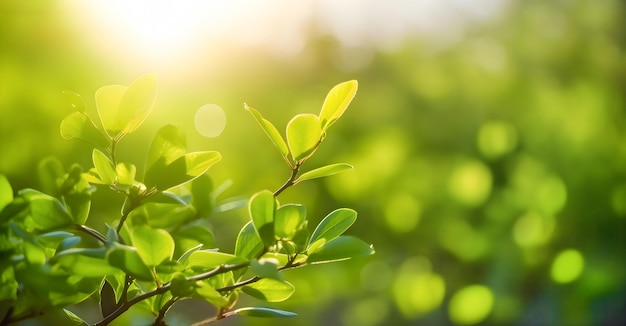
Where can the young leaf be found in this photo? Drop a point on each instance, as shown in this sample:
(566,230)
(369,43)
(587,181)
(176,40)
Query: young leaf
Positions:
(164,216)
(51,173)
(78,125)
(205,291)
(341,248)
(127,259)
(324,171)
(263,312)
(104,167)
(334,224)
(123,109)
(125,174)
(78,205)
(6,192)
(261,208)
(303,135)
(168,165)
(288,220)
(248,243)
(185,256)
(271,131)
(153,245)
(266,268)
(270,290)
(337,102)
(77,263)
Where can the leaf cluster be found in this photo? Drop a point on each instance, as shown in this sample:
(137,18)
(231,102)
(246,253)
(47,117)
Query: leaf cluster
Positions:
(160,249)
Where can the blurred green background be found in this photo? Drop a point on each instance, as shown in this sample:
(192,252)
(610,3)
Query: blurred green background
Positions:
(488,139)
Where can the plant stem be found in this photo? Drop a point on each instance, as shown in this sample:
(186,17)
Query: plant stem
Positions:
(93,233)
(290,181)
(166,307)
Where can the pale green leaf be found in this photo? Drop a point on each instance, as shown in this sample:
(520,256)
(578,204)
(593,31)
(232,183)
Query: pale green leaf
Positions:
(338,249)
(168,145)
(78,125)
(288,220)
(270,290)
(85,266)
(266,268)
(74,100)
(303,135)
(154,246)
(125,173)
(337,102)
(334,224)
(108,100)
(324,171)
(104,167)
(263,312)
(207,259)
(271,131)
(261,208)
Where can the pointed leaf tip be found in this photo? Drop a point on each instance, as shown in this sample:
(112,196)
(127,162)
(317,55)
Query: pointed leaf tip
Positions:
(337,102)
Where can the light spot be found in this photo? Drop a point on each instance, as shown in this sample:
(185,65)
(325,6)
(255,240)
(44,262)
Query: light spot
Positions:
(470,183)
(210,120)
(533,229)
(496,138)
(567,266)
(417,290)
(402,213)
(471,305)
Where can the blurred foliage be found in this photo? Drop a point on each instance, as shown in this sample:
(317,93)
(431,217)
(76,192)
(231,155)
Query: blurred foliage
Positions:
(490,173)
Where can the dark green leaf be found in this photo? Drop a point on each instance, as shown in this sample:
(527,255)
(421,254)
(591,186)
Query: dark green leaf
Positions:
(270,290)
(303,135)
(50,172)
(201,189)
(288,220)
(107,299)
(261,208)
(263,312)
(324,171)
(334,224)
(341,248)
(78,205)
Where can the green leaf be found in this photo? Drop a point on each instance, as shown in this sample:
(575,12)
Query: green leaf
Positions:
(205,260)
(125,174)
(78,125)
(123,109)
(261,208)
(181,287)
(263,312)
(77,263)
(340,248)
(201,189)
(324,171)
(334,224)
(185,256)
(6,192)
(153,245)
(248,243)
(337,102)
(108,302)
(270,290)
(266,268)
(205,291)
(78,205)
(74,100)
(194,234)
(303,135)
(46,211)
(288,220)
(271,131)
(104,167)
(127,259)
(168,165)
(159,215)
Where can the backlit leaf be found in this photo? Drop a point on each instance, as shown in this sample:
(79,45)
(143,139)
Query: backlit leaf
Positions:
(288,220)
(46,211)
(78,125)
(341,248)
(334,224)
(337,102)
(324,171)
(270,290)
(127,259)
(206,260)
(261,208)
(303,135)
(248,243)
(271,131)
(266,268)
(104,167)
(74,100)
(153,245)
(6,192)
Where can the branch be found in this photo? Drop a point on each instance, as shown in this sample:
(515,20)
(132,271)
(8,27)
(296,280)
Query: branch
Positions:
(290,181)
(91,232)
